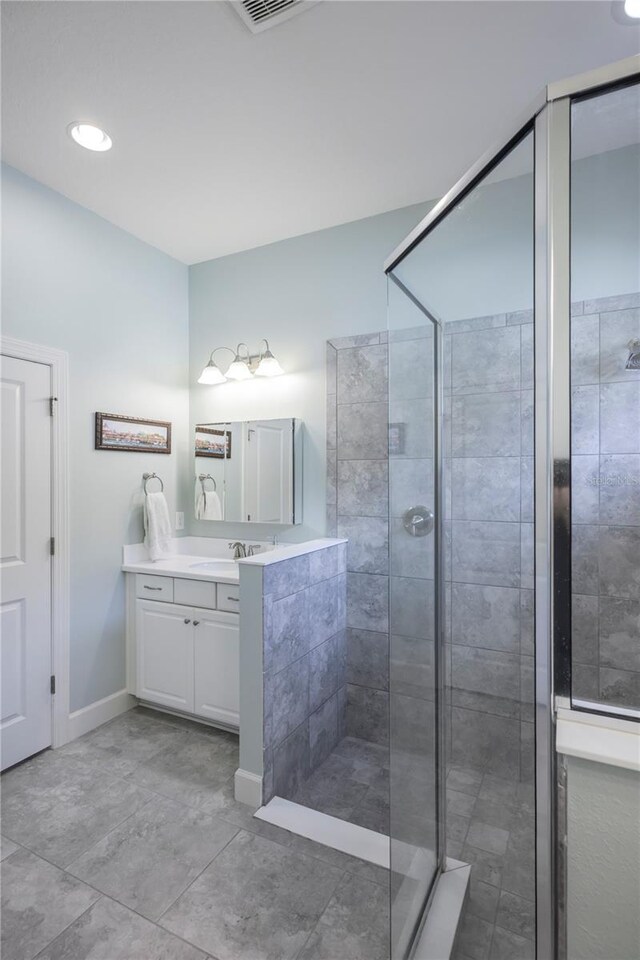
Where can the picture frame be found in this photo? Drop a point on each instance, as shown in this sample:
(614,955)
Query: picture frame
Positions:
(114,431)
(213,443)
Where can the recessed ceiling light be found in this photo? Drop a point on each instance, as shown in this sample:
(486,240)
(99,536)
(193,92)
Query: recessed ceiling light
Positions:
(89,136)
(632,8)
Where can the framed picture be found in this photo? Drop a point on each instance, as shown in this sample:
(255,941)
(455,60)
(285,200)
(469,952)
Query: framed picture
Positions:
(396,439)
(213,443)
(114,432)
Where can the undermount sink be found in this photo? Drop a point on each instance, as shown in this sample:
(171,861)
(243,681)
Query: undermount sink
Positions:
(214,566)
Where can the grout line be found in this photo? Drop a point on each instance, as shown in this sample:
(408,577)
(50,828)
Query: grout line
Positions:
(64,930)
(189,885)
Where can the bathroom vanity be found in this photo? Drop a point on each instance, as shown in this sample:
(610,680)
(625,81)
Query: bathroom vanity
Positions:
(183,629)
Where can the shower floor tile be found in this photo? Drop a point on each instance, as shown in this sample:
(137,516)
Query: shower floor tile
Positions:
(498,842)
(351,784)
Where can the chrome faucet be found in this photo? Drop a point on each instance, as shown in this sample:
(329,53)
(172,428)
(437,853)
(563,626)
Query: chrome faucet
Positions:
(239,550)
(251,549)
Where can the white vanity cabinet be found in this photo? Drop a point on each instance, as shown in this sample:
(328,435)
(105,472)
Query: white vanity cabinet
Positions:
(186,657)
(165,662)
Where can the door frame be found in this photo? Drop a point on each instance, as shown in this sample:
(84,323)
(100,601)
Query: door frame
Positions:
(58,363)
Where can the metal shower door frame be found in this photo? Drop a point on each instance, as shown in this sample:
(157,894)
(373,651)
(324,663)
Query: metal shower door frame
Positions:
(549,116)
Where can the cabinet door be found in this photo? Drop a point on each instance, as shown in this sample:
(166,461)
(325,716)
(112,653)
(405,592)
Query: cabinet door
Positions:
(164,638)
(217,685)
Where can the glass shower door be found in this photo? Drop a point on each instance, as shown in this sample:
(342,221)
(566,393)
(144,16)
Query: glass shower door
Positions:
(414,542)
(462,653)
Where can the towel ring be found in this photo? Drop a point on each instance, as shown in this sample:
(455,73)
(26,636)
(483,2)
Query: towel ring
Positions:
(152,476)
(207,476)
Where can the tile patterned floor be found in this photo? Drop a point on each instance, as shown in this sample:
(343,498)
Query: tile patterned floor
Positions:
(128,845)
(490,824)
(352,784)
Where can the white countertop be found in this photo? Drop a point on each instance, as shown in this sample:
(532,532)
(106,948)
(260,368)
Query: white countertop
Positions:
(191,552)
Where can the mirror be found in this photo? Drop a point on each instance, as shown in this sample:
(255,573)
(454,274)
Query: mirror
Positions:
(249,471)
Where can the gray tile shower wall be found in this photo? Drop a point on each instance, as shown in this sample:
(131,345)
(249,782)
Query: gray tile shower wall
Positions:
(488,446)
(605,431)
(489,516)
(358,509)
(304,665)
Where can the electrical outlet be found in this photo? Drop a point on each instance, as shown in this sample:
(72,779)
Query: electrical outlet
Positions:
(179,521)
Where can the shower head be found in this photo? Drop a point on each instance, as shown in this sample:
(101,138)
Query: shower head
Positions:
(633,360)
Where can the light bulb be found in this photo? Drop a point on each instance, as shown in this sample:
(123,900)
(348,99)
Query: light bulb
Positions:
(239,370)
(89,136)
(212,374)
(269,366)
(632,9)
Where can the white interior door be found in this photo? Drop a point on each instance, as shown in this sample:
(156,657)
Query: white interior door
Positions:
(269,471)
(25,561)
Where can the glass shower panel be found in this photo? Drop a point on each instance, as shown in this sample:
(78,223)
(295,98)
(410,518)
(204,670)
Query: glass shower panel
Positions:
(473,272)
(413,543)
(605,393)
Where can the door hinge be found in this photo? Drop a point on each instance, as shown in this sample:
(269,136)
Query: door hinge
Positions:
(52,405)
(52,546)
(53,684)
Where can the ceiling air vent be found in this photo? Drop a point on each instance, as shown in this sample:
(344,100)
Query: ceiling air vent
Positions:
(259,15)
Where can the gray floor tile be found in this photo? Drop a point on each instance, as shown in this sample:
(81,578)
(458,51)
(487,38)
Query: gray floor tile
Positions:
(202,765)
(331,793)
(487,867)
(120,745)
(109,931)
(486,837)
(464,780)
(372,813)
(149,860)
(509,946)
(474,937)
(482,900)
(38,902)
(354,748)
(342,861)
(185,724)
(59,807)
(7,847)
(517,915)
(223,804)
(355,925)
(256,900)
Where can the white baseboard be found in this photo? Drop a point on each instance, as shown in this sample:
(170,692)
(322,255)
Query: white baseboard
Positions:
(247,788)
(95,714)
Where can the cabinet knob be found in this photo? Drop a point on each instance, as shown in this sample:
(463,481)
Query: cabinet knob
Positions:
(196,622)
(186,620)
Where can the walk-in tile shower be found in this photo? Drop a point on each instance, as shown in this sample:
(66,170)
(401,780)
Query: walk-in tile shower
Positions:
(483,458)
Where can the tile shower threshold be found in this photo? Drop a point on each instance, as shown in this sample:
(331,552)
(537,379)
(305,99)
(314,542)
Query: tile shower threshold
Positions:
(330,831)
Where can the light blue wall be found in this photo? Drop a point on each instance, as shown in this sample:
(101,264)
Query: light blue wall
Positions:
(298,293)
(479,260)
(119,307)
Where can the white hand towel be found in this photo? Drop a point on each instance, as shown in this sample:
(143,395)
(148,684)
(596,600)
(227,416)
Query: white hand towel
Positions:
(198,497)
(212,506)
(157,526)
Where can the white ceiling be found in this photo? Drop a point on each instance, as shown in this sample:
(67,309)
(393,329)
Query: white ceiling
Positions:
(225,140)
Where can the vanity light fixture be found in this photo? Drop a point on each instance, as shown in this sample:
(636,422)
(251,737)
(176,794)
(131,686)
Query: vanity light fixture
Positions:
(268,365)
(239,369)
(244,365)
(89,136)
